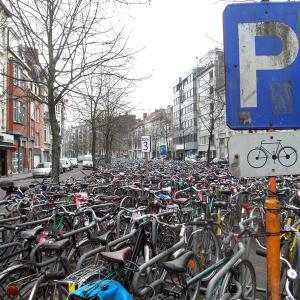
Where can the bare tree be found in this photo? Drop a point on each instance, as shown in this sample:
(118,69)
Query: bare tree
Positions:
(211,110)
(99,101)
(113,107)
(70,40)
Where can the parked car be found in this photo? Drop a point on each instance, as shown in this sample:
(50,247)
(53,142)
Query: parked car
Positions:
(190,159)
(74,162)
(87,162)
(202,159)
(42,170)
(70,163)
(65,163)
(80,158)
(218,160)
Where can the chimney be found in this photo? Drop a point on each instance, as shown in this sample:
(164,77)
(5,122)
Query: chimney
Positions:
(144,116)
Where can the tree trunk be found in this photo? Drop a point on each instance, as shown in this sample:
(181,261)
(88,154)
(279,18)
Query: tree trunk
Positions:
(55,143)
(210,141)
(107,146)
(94,139)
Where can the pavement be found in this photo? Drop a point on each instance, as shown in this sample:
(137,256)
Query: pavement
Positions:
(26,178)
(16,177)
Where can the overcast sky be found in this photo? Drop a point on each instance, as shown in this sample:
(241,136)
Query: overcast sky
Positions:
(173,32)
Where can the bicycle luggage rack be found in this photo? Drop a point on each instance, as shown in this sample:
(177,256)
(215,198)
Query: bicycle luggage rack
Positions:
(166,295)
(78,278)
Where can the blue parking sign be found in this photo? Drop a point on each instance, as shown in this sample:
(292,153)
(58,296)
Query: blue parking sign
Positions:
(163,150)
(262,65)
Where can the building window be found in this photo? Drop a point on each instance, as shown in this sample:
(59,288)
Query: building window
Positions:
(203,140)
(211,75)
(3,118)
(32,110)
(18,76)
(37,140)
(19,112)
(37,114)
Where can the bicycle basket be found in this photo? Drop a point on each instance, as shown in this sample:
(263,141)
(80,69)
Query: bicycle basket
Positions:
(101,290)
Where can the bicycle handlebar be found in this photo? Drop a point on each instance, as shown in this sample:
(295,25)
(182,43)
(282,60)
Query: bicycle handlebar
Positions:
(133,210)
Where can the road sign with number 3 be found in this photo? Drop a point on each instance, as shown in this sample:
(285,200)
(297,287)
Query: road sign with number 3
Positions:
(146,143)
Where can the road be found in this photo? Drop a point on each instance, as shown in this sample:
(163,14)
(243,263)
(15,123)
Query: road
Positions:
(258,262)
(76,173)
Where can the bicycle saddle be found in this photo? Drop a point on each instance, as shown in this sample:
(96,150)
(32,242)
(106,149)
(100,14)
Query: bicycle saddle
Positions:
(221,204)
(225,192)
(181,200)
(24,188)
(31,234)
(109,198)
(105,238)
(55,245)
(120,256)
(179,264)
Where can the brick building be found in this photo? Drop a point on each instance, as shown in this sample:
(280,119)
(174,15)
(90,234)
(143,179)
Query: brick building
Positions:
(6,140)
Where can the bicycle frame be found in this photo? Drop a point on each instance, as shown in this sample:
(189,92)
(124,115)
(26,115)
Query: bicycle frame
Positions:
(271,143)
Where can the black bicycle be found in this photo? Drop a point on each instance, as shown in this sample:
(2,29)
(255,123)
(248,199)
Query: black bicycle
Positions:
(286,155)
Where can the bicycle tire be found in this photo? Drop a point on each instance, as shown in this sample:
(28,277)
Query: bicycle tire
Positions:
(264,159)
(7,278)
(176,282)
(45,292)
(235,273)
(287,156)
(205,244)
(192,292)
(293,258)
(259,226)
(81,248)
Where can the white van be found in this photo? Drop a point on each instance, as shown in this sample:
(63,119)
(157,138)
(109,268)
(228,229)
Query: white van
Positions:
(87,162)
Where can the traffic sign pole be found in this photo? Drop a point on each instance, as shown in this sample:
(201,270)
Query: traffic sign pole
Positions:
(146,165)
(272,208)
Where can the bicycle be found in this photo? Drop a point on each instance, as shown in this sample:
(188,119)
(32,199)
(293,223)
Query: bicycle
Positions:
(286,155)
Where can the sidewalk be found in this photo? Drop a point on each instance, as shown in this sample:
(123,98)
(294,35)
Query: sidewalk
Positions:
(17,177)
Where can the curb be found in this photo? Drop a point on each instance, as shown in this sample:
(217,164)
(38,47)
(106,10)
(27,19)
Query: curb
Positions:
(15,179)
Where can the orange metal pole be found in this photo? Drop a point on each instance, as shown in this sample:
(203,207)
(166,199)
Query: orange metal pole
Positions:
(272,207)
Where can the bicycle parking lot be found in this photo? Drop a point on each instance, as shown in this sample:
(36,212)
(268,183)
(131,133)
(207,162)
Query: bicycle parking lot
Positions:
(189,231)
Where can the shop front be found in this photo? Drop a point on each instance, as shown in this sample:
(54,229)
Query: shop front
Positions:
(7,148)
(19,157)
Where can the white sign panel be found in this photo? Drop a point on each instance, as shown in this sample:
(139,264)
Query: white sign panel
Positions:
(264,154)
(146,143)
(6,138)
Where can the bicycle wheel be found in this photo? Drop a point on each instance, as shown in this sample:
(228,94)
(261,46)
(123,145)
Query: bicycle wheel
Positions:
(259,225)
(14,280)
(257,158)
(205,244)
(45,291)
(80,249)
(193,268)
(287,156)
(243,273)
(176,283)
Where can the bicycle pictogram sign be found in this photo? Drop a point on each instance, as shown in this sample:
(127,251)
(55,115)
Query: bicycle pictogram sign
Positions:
(285,155)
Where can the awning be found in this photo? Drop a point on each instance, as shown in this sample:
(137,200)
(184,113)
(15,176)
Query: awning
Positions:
(7,145)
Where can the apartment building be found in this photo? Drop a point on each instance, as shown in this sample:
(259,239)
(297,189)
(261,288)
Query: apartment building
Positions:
(6,140)
(158,124)
(134,145)
(211,111)
(185,114)
(25,138)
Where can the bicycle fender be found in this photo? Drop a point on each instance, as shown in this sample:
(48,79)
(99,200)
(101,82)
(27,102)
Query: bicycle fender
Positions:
(12,268)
